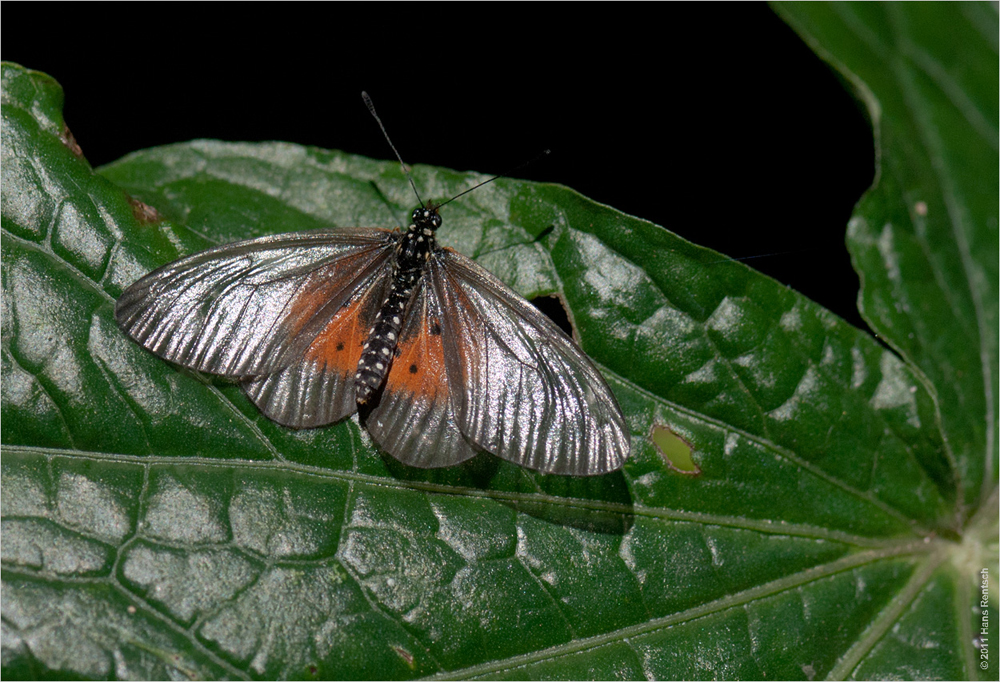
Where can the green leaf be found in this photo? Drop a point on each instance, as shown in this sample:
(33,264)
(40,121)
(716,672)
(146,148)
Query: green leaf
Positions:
(924,238)
(155,525)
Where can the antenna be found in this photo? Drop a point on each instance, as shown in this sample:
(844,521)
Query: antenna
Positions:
(544,152)
(759,255)
(371,108)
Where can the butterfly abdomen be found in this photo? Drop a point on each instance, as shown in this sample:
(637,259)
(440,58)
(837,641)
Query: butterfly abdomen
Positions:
(380,346)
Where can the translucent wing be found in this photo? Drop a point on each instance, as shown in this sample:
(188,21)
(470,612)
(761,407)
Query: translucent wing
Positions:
(523,390)
(253,307)
(318,388)
(414,420)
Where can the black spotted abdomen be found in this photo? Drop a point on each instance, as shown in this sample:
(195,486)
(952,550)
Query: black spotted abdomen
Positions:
(380,347)
(416,244)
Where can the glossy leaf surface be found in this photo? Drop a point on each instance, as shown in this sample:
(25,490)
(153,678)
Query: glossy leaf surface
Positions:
(925,237)
(155,525)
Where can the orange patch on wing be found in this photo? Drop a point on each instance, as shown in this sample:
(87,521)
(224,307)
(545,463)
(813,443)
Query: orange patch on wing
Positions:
(322,285)
(419,368)
(338,346)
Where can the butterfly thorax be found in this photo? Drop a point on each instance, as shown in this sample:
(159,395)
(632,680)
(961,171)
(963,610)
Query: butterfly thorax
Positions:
(414,248)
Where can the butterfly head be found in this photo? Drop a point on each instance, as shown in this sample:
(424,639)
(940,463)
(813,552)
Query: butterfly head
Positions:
(426,218)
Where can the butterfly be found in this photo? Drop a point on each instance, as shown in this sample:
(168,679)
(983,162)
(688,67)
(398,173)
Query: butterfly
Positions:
(439,357)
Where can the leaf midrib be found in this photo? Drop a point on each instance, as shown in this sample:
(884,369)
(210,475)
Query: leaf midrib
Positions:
(286,466)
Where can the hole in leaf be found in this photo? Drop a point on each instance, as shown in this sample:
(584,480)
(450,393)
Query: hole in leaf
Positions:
(552,307)
(674,450)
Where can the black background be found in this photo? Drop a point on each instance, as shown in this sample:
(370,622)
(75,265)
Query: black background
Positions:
(713,120)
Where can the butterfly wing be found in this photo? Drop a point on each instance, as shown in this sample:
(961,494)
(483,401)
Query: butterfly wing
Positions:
(415,418)
(251,307)
(524,390)
(318,388)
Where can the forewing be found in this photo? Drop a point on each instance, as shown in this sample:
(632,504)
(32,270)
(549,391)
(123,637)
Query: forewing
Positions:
(252,307)
(318,388)
(415,419)
(527,393)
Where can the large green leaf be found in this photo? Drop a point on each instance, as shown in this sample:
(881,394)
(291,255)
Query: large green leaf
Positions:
(155,525)
(924,238)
